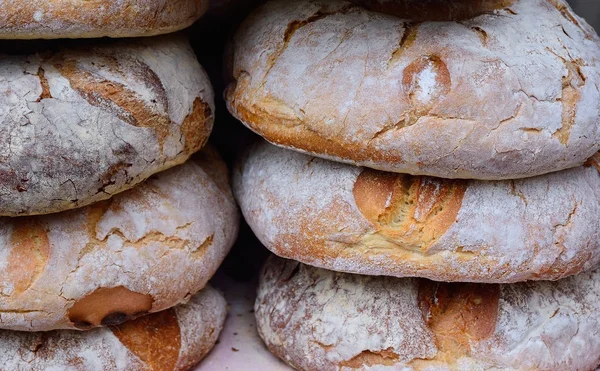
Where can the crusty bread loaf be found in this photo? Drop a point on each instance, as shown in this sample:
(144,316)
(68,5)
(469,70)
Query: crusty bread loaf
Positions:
(478,89)
(144,250)
(358,220)
(316,319)
(53,19)
(175,339)
(82,123)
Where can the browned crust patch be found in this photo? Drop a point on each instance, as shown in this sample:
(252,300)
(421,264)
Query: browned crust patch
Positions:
(109,307)
(413,212)
(195,128)
(28,257)
(367,358)
(458,314)
(155,339)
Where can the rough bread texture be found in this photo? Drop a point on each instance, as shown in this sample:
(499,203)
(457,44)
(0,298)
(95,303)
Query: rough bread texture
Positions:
(316,319)
(358,220)
(142,251)
(53,19)
(84,122)
(477,89)
(175,339)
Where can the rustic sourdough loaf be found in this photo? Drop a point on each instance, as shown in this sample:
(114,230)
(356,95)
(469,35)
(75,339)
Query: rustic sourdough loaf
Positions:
(479,89)
(175,339)
(144,250)
(359,220)
(81,123)
(316,319)
(52,19)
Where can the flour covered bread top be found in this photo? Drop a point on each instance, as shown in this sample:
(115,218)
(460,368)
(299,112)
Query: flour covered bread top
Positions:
(359,220)
(80,123)
(316,319)
(53,19)
(175,339)
(495,89)
(142,251)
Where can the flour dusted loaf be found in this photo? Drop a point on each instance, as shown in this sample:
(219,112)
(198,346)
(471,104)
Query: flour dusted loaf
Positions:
(81,123)
(175,339)
(145,250)
(53,19)
(359,220)
(316,319)
(478,89)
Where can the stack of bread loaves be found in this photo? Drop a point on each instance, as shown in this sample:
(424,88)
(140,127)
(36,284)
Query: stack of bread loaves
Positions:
(499,97)
(103,220)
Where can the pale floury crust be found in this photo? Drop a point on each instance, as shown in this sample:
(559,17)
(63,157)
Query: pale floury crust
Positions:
(144,250)
(358,220)
(83,122)
(175,339)
(316,319)
(54,19)
(509,89)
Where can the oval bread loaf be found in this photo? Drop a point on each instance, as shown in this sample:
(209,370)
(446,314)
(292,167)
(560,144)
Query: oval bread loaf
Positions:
(486,89)
(54,19)
(142,251)
(175,339)
(358,220)
(316,319)
(82,123)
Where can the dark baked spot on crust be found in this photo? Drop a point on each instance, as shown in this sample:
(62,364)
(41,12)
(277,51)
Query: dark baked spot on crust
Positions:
(115,319)
(109,305)
(458,313)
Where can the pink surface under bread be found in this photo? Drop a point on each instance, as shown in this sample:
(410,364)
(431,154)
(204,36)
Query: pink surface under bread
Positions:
(239,347)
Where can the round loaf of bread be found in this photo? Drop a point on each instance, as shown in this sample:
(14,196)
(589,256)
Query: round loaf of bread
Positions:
(142,251)
(175,339)
(54,19)
(316,319)
(84,122)
(359,220)
(477,89)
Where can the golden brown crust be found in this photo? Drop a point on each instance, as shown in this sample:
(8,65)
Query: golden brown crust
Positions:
(155,339)
(457,314)
(52,19)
